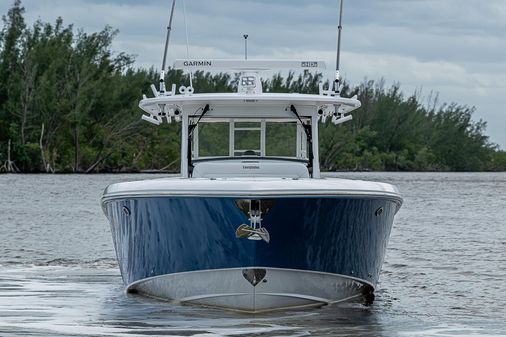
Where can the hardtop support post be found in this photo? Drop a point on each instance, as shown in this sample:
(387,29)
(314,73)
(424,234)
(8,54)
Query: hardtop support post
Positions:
(184,145)
(316,154)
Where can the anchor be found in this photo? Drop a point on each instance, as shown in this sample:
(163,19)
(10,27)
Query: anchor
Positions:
(254,209)
(247,232)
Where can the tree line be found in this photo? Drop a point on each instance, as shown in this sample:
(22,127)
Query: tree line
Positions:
(69,103)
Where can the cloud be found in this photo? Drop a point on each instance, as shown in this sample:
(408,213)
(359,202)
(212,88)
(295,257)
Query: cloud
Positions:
(455,47)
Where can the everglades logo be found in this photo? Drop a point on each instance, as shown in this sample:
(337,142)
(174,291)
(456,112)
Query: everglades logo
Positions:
(197,63)
(309,64)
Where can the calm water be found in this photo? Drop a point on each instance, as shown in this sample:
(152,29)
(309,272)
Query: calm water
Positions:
(444,275)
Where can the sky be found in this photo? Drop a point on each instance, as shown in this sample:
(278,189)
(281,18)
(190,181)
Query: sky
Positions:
(456,48)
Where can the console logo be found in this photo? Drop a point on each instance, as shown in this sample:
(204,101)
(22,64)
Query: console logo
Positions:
(309,64)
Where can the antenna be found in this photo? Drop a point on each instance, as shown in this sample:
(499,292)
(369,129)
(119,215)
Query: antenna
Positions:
(245,46)
(340,27)
(169,28)
(187,42)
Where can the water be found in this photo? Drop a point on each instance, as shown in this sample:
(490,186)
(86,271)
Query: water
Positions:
(444,275)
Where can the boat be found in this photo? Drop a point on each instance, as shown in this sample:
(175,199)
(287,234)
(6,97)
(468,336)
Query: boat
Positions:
(250,224)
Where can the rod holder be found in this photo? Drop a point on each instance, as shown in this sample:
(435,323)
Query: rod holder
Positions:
(151,120)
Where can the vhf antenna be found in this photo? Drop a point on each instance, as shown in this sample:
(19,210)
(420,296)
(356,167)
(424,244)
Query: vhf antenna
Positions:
(169,28)
(340,28)
(245,46)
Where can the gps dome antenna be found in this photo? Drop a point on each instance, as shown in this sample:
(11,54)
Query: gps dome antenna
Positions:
(169,28)
(339,28)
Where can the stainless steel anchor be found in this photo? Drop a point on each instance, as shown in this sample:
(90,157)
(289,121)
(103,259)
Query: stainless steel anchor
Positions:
(253,231)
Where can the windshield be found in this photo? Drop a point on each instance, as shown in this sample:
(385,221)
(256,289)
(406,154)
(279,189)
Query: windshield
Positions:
(261,138)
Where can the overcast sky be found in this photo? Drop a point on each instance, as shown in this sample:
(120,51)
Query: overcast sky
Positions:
(454,47)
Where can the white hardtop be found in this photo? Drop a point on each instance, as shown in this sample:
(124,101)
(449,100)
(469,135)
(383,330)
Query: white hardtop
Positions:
(251,187)
(249,102)
(250,91)
(263,98)
(306,104)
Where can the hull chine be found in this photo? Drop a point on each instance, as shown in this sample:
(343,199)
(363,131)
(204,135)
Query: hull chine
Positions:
(278,289)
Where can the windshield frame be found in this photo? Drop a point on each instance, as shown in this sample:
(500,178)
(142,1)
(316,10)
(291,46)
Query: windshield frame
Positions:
(300,142)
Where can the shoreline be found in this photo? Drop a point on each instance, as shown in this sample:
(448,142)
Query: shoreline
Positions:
(154,172)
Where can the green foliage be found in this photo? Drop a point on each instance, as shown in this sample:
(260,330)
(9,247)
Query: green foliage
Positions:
(391,132)
(68,103)
(497,161)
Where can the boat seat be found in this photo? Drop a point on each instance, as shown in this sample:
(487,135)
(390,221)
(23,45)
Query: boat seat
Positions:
(250,167)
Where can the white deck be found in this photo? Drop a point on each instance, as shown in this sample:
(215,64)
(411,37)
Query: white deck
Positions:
(250,187)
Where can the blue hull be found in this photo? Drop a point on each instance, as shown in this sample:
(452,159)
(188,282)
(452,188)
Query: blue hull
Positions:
(156,236)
